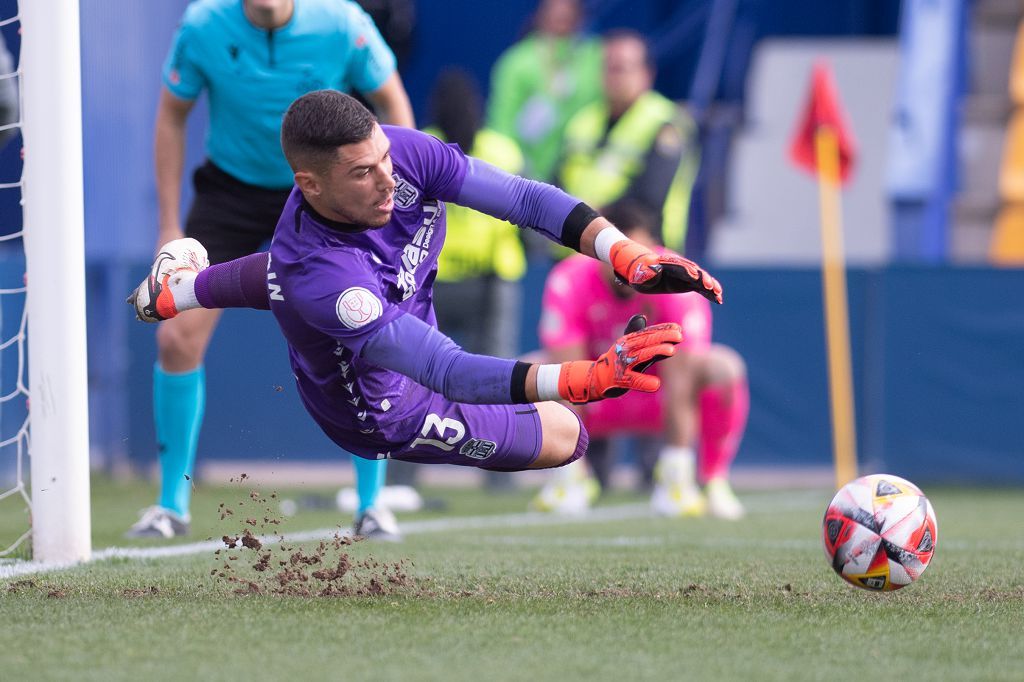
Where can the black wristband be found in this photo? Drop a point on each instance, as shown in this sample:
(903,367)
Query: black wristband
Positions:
(575,223)
(517,389)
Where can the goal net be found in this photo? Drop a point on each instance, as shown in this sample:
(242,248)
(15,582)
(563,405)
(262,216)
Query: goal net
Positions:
(44,454)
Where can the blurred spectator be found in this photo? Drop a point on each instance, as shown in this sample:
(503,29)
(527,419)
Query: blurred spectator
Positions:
(9,113)
(584,309)
(541,81)
(477,293)
(395,19)
(634,144)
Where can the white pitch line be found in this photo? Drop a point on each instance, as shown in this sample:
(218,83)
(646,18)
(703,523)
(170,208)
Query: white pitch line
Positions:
(754,502)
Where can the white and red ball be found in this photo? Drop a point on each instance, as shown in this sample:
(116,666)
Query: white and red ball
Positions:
(879,532)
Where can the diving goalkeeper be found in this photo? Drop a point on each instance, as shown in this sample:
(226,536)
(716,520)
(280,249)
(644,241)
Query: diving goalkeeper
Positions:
(348,278)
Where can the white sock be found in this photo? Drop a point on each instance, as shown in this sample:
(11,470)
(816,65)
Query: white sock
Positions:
(183,290)
(678,464)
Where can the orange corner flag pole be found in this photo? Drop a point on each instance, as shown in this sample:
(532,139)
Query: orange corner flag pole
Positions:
(823,144)
(837,326)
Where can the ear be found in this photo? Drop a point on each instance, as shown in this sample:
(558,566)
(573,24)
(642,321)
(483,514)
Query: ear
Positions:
(308,183)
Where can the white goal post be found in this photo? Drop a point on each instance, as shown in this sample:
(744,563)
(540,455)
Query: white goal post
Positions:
(54,219)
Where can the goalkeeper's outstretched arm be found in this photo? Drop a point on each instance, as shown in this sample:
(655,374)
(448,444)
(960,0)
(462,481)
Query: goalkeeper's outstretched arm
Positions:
(407,344)
(569,221)
(439,364)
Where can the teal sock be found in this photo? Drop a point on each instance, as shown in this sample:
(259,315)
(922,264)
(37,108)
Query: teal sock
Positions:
(178,403)
(370,475)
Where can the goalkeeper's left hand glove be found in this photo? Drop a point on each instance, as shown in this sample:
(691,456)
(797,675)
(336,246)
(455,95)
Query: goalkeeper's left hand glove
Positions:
(620,369)
(650,273)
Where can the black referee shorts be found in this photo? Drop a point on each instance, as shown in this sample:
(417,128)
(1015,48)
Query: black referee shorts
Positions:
(229,217)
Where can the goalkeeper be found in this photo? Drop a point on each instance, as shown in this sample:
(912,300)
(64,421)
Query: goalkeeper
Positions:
(349,276)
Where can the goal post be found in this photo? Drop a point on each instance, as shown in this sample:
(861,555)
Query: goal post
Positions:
(54,219)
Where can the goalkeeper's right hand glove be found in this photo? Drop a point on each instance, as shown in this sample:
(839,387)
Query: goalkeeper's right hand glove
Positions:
(620,369)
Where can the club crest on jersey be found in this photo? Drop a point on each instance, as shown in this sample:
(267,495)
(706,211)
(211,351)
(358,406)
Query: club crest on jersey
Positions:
(405,194)
(357,307)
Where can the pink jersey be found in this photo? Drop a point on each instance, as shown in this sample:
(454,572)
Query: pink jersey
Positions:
(581,307)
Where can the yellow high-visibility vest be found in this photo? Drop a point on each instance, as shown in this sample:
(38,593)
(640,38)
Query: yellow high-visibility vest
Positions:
(478,244)
(600,173)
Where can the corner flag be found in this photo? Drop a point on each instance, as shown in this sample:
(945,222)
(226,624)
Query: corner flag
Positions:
(823,109)
(823,145)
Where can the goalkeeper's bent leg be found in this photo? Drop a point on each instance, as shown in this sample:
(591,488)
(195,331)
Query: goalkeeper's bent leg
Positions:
(564,439)
(503,437)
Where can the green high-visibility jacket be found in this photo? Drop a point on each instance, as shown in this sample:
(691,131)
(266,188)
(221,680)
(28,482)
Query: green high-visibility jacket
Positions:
(601,165)
(536,86)
(478,244)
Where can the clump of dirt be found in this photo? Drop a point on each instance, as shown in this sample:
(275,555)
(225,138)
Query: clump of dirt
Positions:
(145,592)
(19,585)
(251,541)
(276,568)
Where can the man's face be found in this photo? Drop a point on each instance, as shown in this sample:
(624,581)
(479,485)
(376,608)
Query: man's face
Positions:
(558,17)
(626,75)
(269,5)
(357,188)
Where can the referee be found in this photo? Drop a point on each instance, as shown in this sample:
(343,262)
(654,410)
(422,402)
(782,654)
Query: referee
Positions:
(253,58)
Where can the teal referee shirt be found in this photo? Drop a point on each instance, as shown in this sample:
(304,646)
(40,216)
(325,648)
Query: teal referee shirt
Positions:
(253,74)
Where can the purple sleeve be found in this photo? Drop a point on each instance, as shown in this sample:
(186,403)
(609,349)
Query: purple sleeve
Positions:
(240,283)
(439,364)
(523,202)
(338,296)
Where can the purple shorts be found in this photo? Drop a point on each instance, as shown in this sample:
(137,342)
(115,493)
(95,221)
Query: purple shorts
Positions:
(496,437)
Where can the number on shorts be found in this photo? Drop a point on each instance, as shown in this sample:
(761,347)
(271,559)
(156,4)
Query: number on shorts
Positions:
(441,426)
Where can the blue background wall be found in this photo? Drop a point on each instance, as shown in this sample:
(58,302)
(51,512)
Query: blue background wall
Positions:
(938,353)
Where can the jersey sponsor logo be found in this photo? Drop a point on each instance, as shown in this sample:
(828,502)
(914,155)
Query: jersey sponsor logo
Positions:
(478,448)
(357,307)
(405,194)
(417,250)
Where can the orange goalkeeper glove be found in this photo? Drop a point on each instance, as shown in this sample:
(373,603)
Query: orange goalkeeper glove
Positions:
(620,369)
(651,273)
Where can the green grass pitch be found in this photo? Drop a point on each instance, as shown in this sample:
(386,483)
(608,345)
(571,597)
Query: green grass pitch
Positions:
(619,597)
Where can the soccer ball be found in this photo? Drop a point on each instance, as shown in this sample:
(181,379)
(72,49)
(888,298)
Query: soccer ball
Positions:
(880,532)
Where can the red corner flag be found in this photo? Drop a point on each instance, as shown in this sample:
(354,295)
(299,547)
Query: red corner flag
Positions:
(823,109)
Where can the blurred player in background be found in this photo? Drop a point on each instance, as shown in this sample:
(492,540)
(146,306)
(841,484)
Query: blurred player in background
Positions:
(633,143)
(584,309)
(253,57)
(541,81)
(349,279)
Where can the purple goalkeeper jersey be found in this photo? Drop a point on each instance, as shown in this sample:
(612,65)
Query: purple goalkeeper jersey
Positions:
(333,286)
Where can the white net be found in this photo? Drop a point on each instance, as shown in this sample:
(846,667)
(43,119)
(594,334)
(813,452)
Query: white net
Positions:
(15,504)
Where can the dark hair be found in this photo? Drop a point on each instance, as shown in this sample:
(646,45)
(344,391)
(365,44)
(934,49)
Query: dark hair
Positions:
(629,215)
(631,34)
(319,122)
(456,108)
